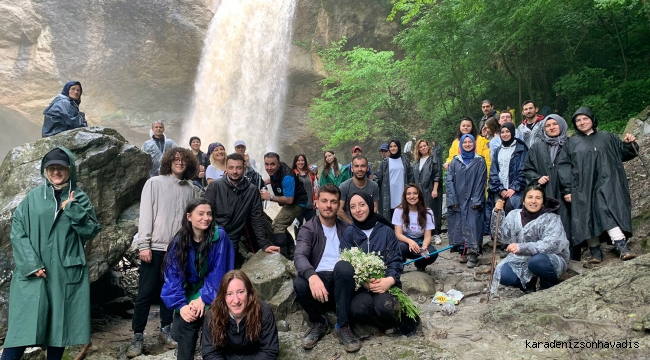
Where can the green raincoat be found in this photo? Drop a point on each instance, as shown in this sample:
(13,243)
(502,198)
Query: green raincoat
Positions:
(54,311)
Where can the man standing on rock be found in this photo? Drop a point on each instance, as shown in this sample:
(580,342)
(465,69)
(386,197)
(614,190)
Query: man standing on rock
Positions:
(359,182)
(528,128)
(290,194)
(162,207)
(157,146)
(323,281)
(236,204)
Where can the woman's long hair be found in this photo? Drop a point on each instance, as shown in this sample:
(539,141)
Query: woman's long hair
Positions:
(474,132)
(417,155)
(219,313)
(422,209)
(331,167)
(183,240)
(305,168)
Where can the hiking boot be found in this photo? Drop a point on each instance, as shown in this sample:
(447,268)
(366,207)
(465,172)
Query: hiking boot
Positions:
(463,258)
(421,268)
(437,240)
(472,260)
(165,337)
(348,339)
(596,255)
(624,252)
(136,346)
(316,331)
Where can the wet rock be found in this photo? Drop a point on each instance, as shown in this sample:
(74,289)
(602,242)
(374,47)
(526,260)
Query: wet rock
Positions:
(291,269)
(110,170)
(416,282)
(268,272)
(282,326)
(469,288)
(596,305)
(34,353)
(283,302)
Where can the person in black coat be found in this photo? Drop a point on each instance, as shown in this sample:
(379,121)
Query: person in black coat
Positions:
(427,173)
(238,324)
(592,179)
(236,203)
(541,167)
(370,232)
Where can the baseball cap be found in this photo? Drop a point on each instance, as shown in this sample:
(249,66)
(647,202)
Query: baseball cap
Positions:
(57,157)
(240,143)
(383,147)
(356,147)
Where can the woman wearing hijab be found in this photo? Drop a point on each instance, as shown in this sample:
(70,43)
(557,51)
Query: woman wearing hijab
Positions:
(63,113)
(482,148)
(465,182)
(393,175)
(536,242)
(592,179)
(507,180)
(371,232)
(541,167)
(49,299)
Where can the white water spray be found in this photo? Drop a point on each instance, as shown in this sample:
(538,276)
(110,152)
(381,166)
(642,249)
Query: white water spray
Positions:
(241,84)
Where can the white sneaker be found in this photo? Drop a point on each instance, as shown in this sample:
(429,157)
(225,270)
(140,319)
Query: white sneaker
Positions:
(437,240)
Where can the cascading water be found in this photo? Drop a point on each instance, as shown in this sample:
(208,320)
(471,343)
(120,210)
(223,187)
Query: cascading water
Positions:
(241,84)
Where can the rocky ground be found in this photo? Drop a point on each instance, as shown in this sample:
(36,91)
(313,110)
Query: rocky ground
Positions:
(607,302)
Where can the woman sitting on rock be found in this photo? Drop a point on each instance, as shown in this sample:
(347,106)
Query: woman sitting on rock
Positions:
(536,241)
(49,299)
(197,259)
(414,224)
(239,325)
(63,113)
(370,232)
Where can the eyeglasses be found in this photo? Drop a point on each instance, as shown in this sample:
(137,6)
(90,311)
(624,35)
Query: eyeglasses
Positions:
(178,161)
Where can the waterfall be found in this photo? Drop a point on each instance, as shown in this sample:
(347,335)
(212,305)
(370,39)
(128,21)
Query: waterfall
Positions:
(241,83)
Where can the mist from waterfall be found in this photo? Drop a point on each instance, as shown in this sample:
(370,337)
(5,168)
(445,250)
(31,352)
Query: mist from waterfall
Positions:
(241,83)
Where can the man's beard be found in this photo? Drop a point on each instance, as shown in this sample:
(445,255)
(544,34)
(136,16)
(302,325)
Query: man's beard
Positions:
(235,181)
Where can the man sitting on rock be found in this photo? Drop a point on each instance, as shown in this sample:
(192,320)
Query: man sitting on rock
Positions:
(236,203)
(323,281)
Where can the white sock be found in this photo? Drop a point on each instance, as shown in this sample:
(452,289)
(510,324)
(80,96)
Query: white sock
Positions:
(616,234)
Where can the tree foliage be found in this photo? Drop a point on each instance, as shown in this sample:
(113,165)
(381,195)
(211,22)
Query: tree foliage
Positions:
(560,53)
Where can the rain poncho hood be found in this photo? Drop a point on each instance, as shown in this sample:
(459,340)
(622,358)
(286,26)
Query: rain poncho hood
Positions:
(584,111)
(66,90)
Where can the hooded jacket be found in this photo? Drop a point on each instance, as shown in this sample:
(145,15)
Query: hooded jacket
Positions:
(590,168)
(53,311)
(543,235)
(179,288)
(237,346)
(234,206)
(151,148)
(63,113)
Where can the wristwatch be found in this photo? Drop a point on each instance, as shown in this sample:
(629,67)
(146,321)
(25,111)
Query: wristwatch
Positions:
(272,197)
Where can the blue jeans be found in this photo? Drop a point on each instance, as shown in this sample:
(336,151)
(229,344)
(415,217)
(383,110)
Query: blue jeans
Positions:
(540,265)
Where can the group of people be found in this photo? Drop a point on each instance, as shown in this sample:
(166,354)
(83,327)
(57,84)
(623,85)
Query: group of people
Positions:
(197,209)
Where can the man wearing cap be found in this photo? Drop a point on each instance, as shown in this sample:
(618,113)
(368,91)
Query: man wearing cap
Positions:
(357,151)
(157,145)
(240,148)
(383,149)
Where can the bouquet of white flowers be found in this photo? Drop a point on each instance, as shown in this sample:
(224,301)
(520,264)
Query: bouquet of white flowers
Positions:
(371,266)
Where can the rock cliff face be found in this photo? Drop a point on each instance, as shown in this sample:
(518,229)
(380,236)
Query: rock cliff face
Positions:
(137,60)
(110,170)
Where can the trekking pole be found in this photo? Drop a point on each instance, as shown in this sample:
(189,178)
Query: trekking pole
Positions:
(429,254)
(640,157)
(494,254)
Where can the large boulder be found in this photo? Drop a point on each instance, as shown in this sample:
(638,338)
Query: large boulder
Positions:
(110,170)
(267,272)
